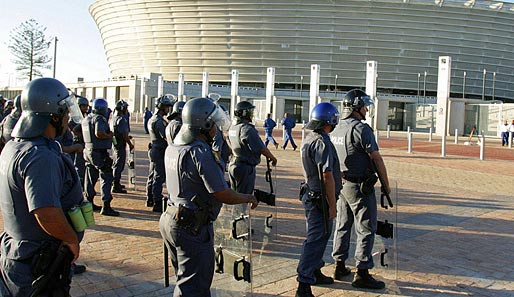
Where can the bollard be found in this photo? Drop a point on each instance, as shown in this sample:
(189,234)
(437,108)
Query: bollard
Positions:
(510,139)
(443,143)
(408,129)
(376,136)
(482,147)
(456,136)
(430,135)
(388,135)
(409,141)
(303,130)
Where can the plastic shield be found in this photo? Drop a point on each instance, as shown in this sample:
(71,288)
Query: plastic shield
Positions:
(131,164)
(232,244)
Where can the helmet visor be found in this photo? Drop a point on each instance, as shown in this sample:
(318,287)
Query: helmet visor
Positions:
(220,118)
(368,101)
(71,102)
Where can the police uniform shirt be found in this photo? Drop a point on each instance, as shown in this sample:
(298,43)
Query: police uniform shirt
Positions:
(199,173)
(354,141)
(66,139)
(247,147)
(157,129)
(34,173)
(317,149)
(269,124)
(219,144)
(98,123)
(121,128)
(8,124)
(172,129)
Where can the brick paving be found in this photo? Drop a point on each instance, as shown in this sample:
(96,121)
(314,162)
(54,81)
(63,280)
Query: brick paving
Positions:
(455,233)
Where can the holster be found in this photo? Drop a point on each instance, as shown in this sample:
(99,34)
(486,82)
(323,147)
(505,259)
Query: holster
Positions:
(51,271)
(192,220)
(304,187)
(368,185)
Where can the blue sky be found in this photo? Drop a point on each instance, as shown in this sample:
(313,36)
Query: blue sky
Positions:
(80,51)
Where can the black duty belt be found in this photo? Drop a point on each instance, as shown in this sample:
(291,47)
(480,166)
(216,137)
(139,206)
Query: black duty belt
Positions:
(186,218)
(354,179)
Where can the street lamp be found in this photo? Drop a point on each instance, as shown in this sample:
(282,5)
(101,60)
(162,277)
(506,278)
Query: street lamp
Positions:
(301,86)
(494,80)
(463,84)
(335,86)
(419,76)
(55,54)
(424,87)
(483,84)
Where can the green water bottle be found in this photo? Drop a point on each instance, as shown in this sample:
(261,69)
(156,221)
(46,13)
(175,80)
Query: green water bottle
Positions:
(77,219)
(87,212)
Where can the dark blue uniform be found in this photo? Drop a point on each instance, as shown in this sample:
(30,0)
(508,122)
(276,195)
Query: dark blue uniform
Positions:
(316,149)
(97,157)
(34,173)
(288,124)
(119,155)
(78,158)
(246,147)
(269,125)
(146,117)
(191,170)
(354,141)
(156,174)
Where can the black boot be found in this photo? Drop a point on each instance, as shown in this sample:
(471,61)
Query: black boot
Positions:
(322,279)
(117,188)
(341,271)
(108,211)
(157,206)
(304,290)
(364,280)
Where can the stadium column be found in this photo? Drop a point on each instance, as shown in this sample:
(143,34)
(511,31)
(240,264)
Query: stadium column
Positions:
(180,90)
(270,90)
(234,91)
(314,87)
(205,84)
(443,95)
(160,86)
(371,90)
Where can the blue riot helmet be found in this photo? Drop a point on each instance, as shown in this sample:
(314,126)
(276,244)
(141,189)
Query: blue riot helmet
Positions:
(17,106)
(165,100)
(100,107)
(199,116)
(354,100)
(323,114)
(121,105)
(82,101)
(41,99)
(177,110)
(244,110)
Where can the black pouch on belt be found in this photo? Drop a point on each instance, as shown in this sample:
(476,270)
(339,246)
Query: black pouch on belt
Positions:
(304,187)
(368,185)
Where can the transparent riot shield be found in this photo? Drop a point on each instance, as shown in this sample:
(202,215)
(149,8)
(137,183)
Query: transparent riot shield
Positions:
(232,245)
(131,163)
(385,254)
(264,228)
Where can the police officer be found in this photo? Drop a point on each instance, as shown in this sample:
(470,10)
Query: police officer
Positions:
(197,189)
(78,139)
(146,117)
(247,148)
(269,125)
(318,154)
(157,174)
(98,139)
(38,185)
(9,106)
(288,124)
(9,122)
(175,123)
(357,149)
(119,148)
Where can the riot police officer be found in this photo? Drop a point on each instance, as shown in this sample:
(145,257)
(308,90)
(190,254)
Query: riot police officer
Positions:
(78,139)
(197,189)
(247,148)
(9,122)
(175,123)
(357,149)
(98,139)
(38,185)
(119,148)
(322,182)
(156,175)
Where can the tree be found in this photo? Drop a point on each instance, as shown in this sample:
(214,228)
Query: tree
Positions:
(29,45)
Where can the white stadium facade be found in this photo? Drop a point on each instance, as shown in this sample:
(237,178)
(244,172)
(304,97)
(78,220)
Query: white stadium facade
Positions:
(405,37)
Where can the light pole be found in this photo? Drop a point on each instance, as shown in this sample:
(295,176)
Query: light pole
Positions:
(424,87)
(483,84)
(494,80)
(55,53)
(301,86)
(335,86)
(419,76)
(463,85)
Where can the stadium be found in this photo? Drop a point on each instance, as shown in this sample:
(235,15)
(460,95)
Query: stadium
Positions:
(405,37)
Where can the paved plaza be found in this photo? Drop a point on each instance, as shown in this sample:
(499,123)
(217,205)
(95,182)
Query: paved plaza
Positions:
(455,233)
